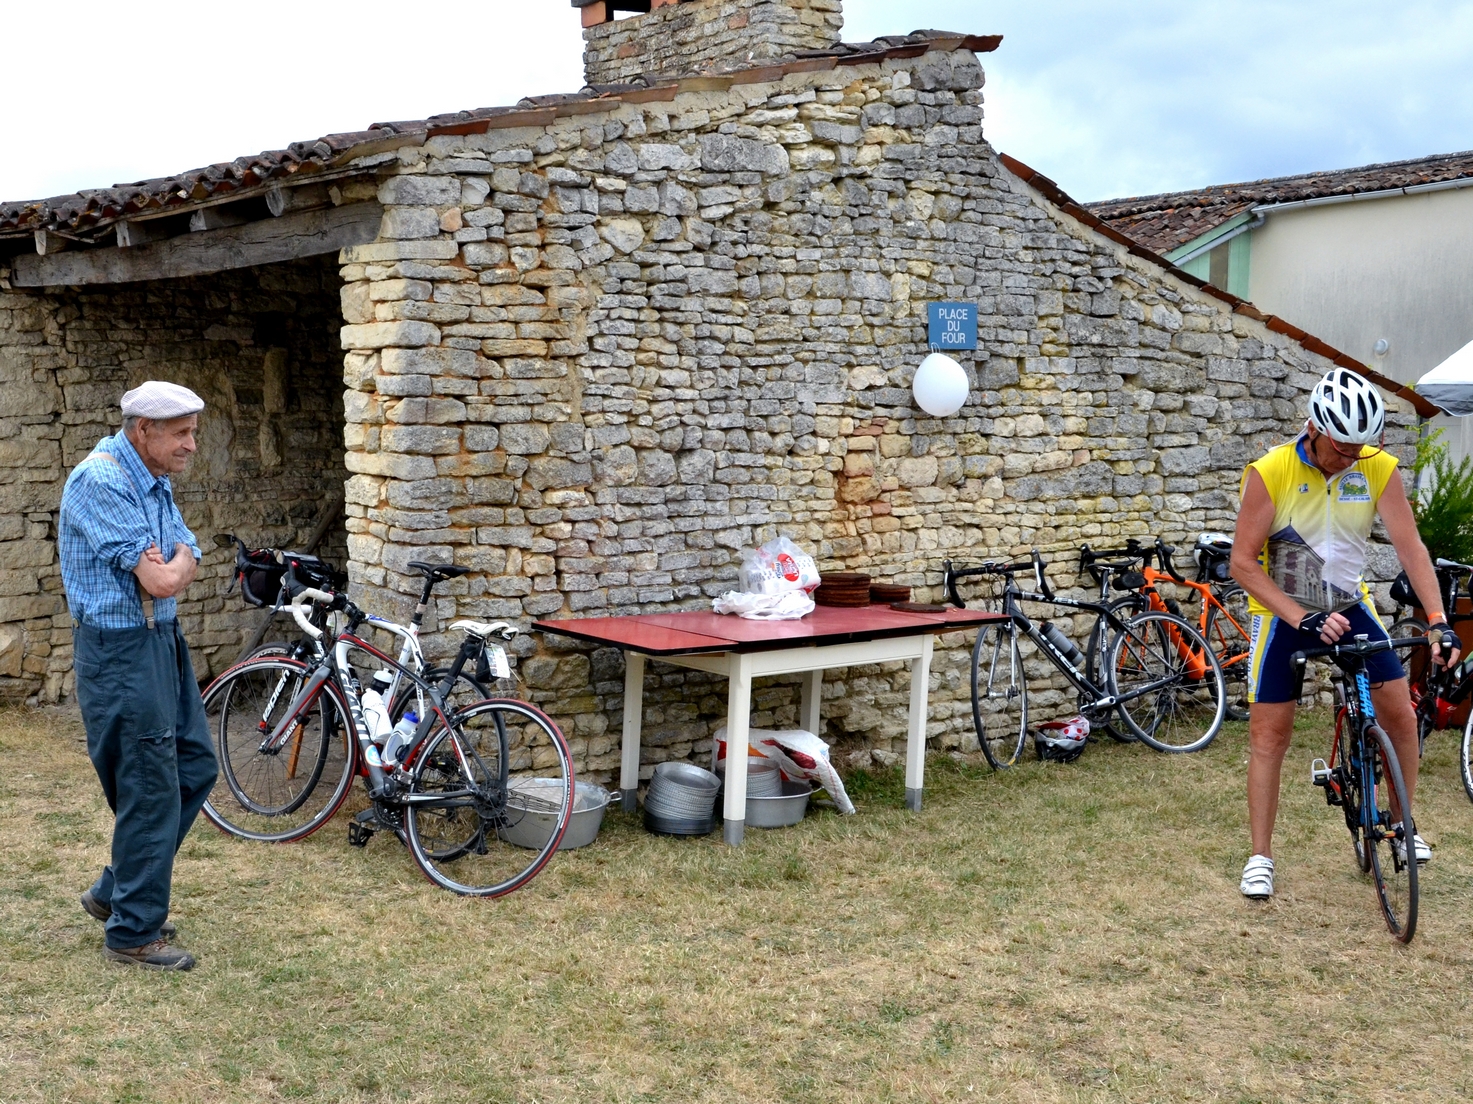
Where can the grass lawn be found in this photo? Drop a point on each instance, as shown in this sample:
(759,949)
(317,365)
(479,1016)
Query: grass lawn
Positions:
(1069,933)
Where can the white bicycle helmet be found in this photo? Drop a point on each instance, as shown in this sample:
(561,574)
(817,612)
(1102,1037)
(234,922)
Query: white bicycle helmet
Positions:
(1061,741)
(1347,408)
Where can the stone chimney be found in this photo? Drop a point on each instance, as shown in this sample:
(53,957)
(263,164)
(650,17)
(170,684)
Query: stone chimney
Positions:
(680,37)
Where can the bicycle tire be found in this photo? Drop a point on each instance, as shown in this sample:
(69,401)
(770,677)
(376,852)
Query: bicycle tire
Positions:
(1000,695)
(1395,878)
(1465,759)
(1232,647)
(1124,607)
(1351,796)
(266,794)
(470,836)
(463,692)
(1167,703)
(1417,664)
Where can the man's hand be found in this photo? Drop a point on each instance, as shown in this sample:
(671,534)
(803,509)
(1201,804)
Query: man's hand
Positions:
(1329,627)
(1442,638)
(166,578)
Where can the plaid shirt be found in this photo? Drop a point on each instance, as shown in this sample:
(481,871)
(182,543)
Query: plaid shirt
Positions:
(110,513)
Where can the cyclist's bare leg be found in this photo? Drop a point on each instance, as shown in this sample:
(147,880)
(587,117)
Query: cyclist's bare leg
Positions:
(1270,725)
(1393,704)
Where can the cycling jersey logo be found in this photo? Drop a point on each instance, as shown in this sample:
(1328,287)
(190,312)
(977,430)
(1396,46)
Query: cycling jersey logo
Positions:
(1304,488)
(1354,488)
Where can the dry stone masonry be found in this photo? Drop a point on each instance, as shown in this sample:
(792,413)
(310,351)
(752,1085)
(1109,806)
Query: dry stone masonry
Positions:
(599,348)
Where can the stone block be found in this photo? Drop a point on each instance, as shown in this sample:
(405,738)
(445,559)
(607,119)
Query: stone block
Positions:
(421,440)
(431,362)
(525,439)
(625,235)
(378,252)
(422,191)
(727,153)
(380,335)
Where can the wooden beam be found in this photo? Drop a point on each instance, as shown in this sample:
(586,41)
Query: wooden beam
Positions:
(306,197)
(306,234)
(217,218)
(49,243)
(133,234)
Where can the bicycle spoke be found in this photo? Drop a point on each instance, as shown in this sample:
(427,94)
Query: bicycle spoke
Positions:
(275,790)
(489,800)
(1000,694)
(1169,683)
(1393,856)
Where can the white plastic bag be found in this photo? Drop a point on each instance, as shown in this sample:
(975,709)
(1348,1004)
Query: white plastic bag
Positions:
(765,607)
(798,753)
(778,567)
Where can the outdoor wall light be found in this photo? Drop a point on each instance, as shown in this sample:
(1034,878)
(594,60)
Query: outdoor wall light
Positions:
(940,386)
(1382,347)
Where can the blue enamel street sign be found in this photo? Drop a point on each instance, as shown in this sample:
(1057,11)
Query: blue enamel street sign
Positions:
(952,325)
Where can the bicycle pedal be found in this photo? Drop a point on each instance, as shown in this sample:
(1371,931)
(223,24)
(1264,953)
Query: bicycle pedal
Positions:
(1319,773)
(359,834)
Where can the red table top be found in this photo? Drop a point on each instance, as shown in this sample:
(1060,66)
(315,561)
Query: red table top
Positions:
(696,631)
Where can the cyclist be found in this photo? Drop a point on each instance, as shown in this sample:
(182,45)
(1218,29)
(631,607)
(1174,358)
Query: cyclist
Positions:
(1300,549)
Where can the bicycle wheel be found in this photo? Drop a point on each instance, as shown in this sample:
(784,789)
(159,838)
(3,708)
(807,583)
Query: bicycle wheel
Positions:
(1169,682)
(489,799)
(1125,607)
(463,692)
(1000,693)
(1227,634)
(1393,858)
(1465,765)
(286,790)
(1418,665)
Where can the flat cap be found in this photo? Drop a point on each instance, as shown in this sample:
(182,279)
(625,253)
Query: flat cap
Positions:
(159,399)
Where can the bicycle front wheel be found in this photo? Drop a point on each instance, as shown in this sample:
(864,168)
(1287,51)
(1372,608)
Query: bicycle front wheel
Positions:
(1095,653)
(1000,694)
(489,798)
(1169,683)
(284,789)
(1389,839)
(1466,758)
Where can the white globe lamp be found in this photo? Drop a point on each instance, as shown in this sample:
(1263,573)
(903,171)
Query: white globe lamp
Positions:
(940,386)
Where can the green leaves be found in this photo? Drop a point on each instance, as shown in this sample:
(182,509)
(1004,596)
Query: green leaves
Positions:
(1444,507)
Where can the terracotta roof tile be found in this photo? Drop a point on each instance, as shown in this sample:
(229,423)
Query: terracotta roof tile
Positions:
(1167,221)
(92,210)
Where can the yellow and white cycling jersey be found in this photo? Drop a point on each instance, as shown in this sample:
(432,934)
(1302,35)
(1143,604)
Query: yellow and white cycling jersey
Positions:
(1316,549)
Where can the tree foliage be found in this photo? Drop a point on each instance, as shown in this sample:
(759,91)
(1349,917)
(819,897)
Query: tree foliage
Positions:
(1444,507)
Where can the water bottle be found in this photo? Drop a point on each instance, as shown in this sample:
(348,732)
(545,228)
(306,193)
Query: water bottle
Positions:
(400,737)
(375,709)
(1052,634)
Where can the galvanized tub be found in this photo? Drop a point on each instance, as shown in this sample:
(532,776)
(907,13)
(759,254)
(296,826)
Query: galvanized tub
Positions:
(779,810)
(532,806)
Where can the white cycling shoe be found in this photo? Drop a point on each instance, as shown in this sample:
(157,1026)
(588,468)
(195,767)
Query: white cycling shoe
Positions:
(1258,879)
(1419,848)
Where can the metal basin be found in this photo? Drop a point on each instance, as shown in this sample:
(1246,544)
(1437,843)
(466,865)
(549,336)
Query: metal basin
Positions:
(780,810)
(532,807)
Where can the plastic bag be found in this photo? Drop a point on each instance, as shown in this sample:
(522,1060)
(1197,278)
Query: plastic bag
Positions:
(765,607)
(798,753)
(778,567)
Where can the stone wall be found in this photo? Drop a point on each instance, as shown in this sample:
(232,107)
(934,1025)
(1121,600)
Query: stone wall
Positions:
(598,359)
(700,35)
(258,345)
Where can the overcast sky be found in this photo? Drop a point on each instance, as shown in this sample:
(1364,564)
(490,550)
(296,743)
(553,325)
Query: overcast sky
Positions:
(1108,99)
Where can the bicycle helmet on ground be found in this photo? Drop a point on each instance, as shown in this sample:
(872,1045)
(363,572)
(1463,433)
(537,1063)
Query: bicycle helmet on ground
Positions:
(1348,408)
(1061,741)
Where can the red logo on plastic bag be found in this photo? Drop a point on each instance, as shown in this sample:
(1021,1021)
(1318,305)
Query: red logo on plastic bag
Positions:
(787,568)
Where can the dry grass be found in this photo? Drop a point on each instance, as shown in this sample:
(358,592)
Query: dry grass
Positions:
(1063,933)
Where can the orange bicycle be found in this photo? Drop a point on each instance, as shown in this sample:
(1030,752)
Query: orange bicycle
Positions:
(1222,618)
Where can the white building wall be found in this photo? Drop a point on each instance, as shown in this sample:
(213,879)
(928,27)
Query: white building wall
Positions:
(1353,273)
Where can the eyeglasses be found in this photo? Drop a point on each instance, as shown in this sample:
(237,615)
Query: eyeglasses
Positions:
(1354,452)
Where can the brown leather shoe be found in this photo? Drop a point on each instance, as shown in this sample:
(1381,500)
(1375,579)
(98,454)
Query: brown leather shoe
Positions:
(157,955)
(98,911)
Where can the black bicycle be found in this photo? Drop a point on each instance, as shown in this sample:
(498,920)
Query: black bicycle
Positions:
(1363,777)
(1158,677)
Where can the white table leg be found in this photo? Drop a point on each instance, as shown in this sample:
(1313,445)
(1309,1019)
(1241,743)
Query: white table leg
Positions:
(738,717)
(633,719)
(915,742)
(812,695)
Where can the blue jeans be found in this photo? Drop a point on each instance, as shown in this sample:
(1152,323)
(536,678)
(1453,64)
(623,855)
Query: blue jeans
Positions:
(148,740)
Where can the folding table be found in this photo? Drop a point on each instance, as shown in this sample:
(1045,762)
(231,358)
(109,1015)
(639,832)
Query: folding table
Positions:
(742,650)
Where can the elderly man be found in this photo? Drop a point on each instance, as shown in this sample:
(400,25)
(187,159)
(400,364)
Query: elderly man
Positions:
(125,556)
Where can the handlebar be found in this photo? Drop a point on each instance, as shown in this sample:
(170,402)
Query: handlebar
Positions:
(1163,553)
(1358,648)
(1098,561)
(300,613)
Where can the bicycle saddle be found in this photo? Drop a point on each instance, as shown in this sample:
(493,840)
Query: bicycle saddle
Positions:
(438,571)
